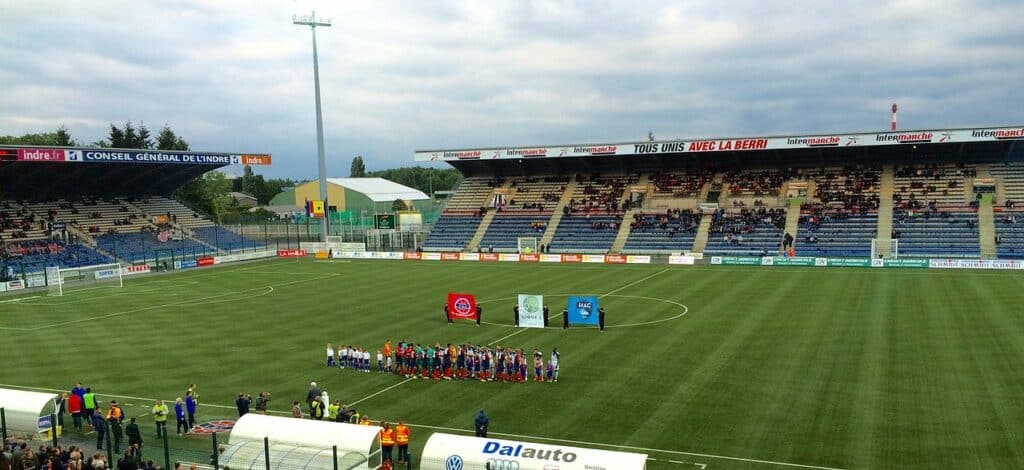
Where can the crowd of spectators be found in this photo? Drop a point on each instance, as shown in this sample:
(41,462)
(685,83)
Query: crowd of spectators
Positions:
(673,221)
(746,220)
(18,455)
(855,188)
(600,194)
(756,182)
(680,184)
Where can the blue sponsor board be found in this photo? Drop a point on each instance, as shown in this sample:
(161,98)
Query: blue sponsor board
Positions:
(582,310)
(151,156)
(186,263)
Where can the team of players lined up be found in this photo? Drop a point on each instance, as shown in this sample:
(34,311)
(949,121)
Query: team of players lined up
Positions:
(449,362)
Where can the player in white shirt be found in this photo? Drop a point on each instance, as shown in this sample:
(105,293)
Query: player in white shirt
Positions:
(366,360)
(330,355)
(343,355)
(553,365)
(380,362)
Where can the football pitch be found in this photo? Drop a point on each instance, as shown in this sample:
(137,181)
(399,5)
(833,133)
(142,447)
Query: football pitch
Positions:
(713,367)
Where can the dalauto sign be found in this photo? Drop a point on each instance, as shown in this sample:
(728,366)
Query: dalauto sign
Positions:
(452,452)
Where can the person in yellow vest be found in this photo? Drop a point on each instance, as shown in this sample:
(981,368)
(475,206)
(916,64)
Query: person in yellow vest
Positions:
(160,412)
(364,421)
(332,411)
(402,439)
(387,441)
(114,417)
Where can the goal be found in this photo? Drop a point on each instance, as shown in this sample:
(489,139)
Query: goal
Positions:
(62,281)
(890,248)
(526,245)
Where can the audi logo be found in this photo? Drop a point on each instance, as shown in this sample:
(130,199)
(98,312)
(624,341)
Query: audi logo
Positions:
(499,464)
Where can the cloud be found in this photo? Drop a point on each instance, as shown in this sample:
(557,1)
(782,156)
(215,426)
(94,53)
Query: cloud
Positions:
(401,75)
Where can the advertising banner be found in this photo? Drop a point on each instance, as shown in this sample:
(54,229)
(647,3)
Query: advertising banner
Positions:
(531,311)
(704,145)
(529,258)
(794,261)
(488,257)
(593,258)
(849,262)
(106,273)
(572,258)
(508,257)
(450,257)
(205,261)
(155,156)
(615,259)
(291,253)
(321,254)
(415,255)
(469,256)
(906,263)
(638,259)
(185,264)
(582,310)
(452,452)
(740,260)
(677,259)
(462,306)
(431,256)
(15,285)
(550,258)
(132,270)
(41,155)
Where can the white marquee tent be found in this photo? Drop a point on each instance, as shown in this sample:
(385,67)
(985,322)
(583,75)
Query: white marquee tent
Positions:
(22,409)
(305,438)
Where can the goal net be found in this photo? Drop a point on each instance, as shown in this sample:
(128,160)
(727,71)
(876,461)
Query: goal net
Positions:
(526,244)
(887,247)
(63,281)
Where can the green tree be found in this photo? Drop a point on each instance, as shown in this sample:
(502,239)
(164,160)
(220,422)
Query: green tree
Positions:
(63,137)
(116,137)
(143,140)
(424,179)
(209,194)
(168,140)
(358,168)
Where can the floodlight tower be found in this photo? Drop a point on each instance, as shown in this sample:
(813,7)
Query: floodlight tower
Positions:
(894,108)
(312,21)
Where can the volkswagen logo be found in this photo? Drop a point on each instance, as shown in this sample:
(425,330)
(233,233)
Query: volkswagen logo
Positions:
(454,462)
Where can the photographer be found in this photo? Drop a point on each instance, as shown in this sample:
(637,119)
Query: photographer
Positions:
(242,403)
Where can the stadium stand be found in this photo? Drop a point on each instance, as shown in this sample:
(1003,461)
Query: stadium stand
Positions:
(671,231)
(679,184)
(525,213)
(845,220)
(174,210)
(462,215)
(756,183)
(933,215)
(746,231)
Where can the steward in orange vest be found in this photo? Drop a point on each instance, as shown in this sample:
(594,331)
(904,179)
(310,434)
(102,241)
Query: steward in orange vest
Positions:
(402,438)
(387,441)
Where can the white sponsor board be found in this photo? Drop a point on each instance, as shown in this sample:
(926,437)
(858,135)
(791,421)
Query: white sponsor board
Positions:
(469,256)
(531,311)
(550,258)
(677,259)
(431,256)
(508,257)
(638,259)
(593,258)
(133,270)
(106,273)
(451,452)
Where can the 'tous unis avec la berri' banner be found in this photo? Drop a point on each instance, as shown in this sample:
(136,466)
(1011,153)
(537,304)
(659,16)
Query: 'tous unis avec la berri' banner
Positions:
(462,306)
(531,311)
(582,310)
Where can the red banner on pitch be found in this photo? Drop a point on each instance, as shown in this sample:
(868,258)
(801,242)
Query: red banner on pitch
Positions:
(462,306)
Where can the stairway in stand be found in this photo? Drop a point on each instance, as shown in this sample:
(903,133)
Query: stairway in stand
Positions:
(793,220)
(703,232)
(883,231)
(987,228)
(484,222)
(623,235)
(549,232)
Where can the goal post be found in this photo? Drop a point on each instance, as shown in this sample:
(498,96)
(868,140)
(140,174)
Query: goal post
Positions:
(526,245)
(887,247)
(60,281)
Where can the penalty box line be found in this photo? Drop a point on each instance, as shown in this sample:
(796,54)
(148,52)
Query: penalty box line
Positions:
(521,436)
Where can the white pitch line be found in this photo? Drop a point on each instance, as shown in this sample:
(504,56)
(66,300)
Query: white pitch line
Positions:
(539,438)
(172,304)
(379,392)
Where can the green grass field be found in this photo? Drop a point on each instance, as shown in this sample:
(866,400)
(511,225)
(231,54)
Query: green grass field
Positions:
(769,367)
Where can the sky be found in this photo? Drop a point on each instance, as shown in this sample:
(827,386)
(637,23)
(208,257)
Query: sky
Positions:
(399,76)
